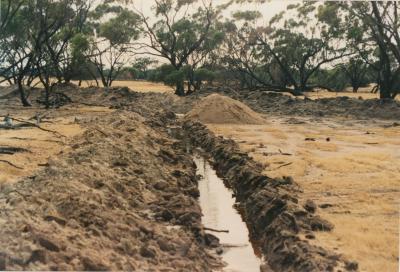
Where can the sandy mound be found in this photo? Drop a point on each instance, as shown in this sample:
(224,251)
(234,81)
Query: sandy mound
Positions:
(122,197)
(218,109)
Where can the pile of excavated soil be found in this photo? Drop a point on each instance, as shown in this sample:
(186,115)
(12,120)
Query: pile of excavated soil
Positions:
(218,109)
(122,196)
(342,106)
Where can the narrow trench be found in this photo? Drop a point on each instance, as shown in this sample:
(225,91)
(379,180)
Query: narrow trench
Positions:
(219,213)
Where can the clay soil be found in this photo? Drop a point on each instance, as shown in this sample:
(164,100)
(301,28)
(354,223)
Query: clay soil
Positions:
(100,189)
(113,189)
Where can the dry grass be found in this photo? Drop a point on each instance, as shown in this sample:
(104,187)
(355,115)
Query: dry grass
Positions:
(357,173)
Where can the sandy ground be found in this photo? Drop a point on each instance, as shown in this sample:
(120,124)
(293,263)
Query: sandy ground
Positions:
(352,169)
(354,175)
(41,145)
(114,193)
(139,86)
(364,92)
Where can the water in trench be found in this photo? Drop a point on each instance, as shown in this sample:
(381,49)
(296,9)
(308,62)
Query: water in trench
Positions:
(219,213)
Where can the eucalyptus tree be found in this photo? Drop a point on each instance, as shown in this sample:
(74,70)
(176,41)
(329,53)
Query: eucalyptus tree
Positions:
(36,38)
(201,63)
(182,33)
(301,46)
(19,45)
(356,72)
(242,55)
(54,25)
(72,16)
(141,66)
(114,29)
(285,53)
(372,28)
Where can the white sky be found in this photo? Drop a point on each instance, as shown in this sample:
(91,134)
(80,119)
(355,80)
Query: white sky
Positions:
(268,9)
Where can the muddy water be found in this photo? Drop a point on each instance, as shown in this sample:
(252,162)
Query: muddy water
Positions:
(219,213)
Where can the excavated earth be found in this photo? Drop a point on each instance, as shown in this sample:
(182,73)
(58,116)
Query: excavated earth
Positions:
(277,220)
(123,196)
(259,101)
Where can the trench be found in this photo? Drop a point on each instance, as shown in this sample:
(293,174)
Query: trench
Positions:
(219,213)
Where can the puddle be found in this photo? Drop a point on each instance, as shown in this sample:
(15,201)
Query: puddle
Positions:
(219,213)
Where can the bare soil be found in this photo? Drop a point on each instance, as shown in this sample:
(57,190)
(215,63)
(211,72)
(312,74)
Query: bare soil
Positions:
(118,180)
(218,109)
(341,106)
(119,193)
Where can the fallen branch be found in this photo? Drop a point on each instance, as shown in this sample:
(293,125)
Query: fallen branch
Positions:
(11,164)
(88,104)
(17,126)
(9,150)
(283,165)
(37,126)
(276,153)
(215,230)
(285,154)
(101,132)
(233,245)
(32,139)
(310,139)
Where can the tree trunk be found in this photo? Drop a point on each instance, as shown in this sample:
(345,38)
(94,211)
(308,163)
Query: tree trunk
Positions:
(299,90)
(24,101)
(180,88)
(385,77)
(384,92)
(47,95)
(355,89)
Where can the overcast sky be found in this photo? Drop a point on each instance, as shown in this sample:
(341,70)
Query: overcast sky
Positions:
(268,9)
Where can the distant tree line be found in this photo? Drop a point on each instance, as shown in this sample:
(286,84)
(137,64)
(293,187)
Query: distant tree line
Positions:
(185,44)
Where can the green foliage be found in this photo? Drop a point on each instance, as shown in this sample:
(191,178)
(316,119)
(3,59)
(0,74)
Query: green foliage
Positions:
(204,74)
(185,33)
(121,29)
(141,67)
(249,15)
(333,79)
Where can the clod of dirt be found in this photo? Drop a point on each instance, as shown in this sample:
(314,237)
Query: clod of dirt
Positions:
(10,150)
(218,109)
(310,206)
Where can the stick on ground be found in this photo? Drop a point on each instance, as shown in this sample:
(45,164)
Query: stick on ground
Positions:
(215,230)
(11,164)
(39,127)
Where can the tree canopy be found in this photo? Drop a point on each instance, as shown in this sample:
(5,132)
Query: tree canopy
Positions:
(332,45)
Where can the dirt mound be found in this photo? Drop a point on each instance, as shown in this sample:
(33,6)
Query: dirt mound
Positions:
(218,109)
(122,196)
(342,106)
